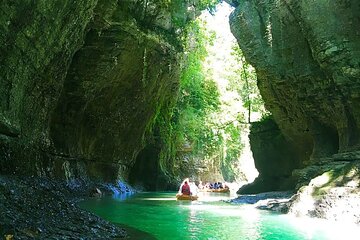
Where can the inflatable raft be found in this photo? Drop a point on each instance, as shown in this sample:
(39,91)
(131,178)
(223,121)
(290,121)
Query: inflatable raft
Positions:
(186,197)
(219,190)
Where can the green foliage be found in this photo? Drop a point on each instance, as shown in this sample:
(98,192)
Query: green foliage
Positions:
(245,82)
(150,10)
(169,18)
(210,5)
(233,150)
(198,123)
(186,122)
(199,96)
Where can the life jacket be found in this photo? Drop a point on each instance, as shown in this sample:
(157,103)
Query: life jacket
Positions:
(185,189)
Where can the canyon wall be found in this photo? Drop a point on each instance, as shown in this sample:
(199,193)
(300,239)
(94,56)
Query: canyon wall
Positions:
(81,82)
(307,59)
(275,158)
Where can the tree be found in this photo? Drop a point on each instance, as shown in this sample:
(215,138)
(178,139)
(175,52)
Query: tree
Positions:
(244,80)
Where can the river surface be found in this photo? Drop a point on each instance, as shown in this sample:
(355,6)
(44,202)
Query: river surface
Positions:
(159,215)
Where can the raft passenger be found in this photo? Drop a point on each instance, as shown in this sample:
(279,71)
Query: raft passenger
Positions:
(185,189)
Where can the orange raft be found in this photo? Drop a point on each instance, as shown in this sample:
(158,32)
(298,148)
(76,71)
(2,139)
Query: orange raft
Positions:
(219,190)
(186,197)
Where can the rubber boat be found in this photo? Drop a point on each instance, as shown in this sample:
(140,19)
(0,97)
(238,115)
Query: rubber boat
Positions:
(219,190)
(186,197)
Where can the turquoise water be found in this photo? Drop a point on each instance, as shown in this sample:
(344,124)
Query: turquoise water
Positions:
(161,216)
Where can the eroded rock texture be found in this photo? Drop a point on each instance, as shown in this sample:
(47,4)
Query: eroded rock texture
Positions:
(81,82)
(307,57)
(275,158)
(333,194)
(37,45)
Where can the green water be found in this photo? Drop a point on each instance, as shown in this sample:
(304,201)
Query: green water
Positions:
(160,216)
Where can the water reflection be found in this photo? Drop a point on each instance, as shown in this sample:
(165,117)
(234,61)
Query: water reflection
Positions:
(324,229)
(212,197)
(121,196)
(166,218)
(194,223)
(252,222)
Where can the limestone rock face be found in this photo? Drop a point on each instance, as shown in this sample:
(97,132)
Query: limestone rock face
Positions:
(37,45)
(307,58)
(81,82)
(334,195)
(275,157)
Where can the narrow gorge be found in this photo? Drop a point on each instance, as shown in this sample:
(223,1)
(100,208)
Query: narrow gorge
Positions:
(88,92)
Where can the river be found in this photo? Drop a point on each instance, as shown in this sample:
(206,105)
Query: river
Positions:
(158,215)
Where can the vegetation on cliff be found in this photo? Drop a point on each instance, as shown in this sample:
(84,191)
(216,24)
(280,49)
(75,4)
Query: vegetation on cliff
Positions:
(200,133)
(244,81)
(183,125)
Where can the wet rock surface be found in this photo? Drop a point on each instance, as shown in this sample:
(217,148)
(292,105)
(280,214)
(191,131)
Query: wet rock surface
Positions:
(275,157)
(332,194)
(307,66)
(274,201)
(39,208)
(329,190)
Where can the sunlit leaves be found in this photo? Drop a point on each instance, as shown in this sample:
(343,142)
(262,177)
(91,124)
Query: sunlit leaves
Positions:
(199,96)
(244,80)
(205,122)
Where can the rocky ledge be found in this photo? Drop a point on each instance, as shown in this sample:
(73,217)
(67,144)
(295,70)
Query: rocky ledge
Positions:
(328,190)
(39,208)
(333,193)
(274,201)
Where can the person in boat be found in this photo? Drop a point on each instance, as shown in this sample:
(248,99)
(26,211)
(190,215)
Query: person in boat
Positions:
(185,189)
(225,185)
(201,186)
(182,184)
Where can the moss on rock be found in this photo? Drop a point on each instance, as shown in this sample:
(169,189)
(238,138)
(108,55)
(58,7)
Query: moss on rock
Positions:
(307,66)
(81,83)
